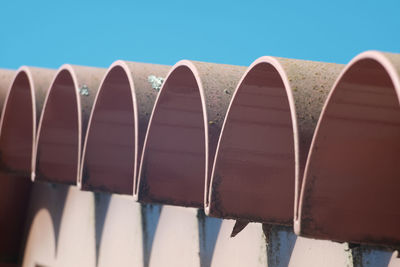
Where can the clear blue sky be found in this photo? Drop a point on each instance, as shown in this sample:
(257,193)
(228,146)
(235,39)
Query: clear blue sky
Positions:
(96,33)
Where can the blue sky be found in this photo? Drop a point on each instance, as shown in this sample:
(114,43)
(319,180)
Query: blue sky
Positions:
(96,33)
